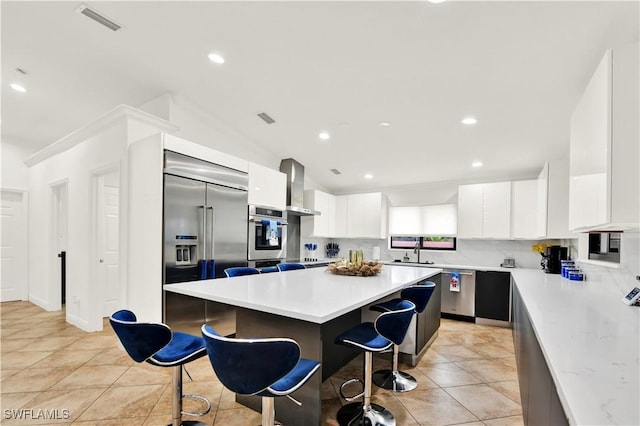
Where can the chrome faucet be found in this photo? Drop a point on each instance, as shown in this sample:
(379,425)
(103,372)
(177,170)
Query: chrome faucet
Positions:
(416,250)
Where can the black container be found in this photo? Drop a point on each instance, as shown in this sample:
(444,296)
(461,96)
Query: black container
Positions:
(552,257)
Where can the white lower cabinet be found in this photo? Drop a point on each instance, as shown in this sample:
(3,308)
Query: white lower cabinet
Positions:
(484,210)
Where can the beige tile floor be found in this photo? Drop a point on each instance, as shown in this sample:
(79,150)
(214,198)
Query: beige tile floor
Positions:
(468,376)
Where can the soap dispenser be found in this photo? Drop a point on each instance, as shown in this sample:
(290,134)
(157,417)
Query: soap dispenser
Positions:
(406,257)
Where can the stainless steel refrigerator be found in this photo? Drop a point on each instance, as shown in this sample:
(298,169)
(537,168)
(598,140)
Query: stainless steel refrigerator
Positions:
(205,231)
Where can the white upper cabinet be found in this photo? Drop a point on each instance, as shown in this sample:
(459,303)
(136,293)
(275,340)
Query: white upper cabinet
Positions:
(267,187)
(340,218)
(524,209)
(484,210)
(440,220)
(553,209)
(604,147)
(322,225)
(367,215)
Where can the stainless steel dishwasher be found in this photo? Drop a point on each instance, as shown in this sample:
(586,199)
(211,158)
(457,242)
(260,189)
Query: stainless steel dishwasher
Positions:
(459,304)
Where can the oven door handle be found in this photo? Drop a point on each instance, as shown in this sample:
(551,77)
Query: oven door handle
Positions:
(259,221)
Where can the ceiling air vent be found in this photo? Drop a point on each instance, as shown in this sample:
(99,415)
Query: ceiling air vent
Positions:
(99,18)
(336,172)
(267,119)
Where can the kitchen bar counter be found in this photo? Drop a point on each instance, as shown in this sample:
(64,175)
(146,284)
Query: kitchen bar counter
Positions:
(591,343)
(311,306)
(313,295)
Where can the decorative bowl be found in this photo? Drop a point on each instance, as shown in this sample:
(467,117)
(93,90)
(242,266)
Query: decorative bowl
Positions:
(367,268)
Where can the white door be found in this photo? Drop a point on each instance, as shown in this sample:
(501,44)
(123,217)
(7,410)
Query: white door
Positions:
(13,247)
(60,221)
(108,271)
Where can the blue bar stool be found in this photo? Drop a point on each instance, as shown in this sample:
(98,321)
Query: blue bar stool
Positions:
(388,329)
(156,344)
(268,269)
(290,266)
(240,270)
(394,380)
(266,367)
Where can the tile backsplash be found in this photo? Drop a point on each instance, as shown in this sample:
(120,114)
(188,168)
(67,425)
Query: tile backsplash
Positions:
(492,253)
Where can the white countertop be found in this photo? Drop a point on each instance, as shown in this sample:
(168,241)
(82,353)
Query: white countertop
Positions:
(591,342)
(313,295)
(451,266)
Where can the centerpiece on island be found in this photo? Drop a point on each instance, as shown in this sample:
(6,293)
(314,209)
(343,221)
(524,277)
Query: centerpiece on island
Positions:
(366,268)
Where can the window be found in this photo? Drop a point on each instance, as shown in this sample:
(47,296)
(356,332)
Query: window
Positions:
(425,243)
(439,243)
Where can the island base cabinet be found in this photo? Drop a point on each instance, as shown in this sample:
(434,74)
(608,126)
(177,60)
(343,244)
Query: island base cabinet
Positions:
(540,402)
(316,342)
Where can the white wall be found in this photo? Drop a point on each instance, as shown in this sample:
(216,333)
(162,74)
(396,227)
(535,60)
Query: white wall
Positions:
(15,174)
(202,128)
(75,166)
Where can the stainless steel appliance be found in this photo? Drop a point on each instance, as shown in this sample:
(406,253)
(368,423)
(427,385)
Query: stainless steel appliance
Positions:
(459,304)
(205,231)
(267,235)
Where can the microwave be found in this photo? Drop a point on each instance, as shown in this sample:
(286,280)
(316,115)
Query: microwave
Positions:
(267,234)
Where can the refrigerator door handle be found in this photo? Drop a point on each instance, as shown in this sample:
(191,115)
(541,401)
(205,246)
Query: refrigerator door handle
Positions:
(204,231)
(211,234)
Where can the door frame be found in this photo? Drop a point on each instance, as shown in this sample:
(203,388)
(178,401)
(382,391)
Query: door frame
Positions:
(24,210)
(55,302)
(97,302)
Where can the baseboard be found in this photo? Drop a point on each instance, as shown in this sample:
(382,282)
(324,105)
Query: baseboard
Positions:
(40,302)
(78,322)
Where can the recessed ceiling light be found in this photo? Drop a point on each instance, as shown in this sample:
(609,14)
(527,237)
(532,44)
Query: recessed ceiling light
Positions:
(368,176)
(384,124)
(469,120)
(216,58)
(324,136)
(18,88)
(436,1)
(476,164)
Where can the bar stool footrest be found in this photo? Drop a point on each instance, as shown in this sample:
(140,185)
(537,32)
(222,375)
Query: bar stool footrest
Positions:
(197,414)
(355,414)
(354,397)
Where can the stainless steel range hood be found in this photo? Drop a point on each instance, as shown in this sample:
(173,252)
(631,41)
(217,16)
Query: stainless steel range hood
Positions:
(295,188)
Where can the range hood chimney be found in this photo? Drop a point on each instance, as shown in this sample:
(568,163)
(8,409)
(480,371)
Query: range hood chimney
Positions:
(295,188)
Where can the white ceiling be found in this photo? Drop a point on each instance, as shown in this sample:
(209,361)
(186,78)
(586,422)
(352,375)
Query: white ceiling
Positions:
(519,67)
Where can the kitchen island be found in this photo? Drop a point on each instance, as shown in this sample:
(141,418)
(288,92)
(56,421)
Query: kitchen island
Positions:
(311,306)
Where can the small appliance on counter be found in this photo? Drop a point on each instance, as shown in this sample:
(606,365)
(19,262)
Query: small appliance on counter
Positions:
(508,262)
(553,255)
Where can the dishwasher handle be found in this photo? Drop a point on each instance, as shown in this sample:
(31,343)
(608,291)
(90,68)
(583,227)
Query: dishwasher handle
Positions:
(469,273)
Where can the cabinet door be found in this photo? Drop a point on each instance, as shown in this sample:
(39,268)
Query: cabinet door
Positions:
(267,187)
(493,295)
(321,225)
(590,143)
(340,217)
(542,192)
(524,209)
(470,211)
(355,214)
(497,210)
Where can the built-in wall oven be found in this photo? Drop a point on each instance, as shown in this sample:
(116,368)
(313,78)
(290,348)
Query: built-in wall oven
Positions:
(267,241)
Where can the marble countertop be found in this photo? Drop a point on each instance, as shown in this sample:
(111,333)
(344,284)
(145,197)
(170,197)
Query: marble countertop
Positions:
(451,266)
(313,295)
(591,342)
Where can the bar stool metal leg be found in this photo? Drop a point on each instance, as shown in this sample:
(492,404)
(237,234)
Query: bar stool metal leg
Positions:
(268,411)
(356,412)
(176,401)
(395,380)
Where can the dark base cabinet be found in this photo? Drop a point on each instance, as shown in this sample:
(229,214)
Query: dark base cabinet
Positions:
(493,295)
(540,402)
